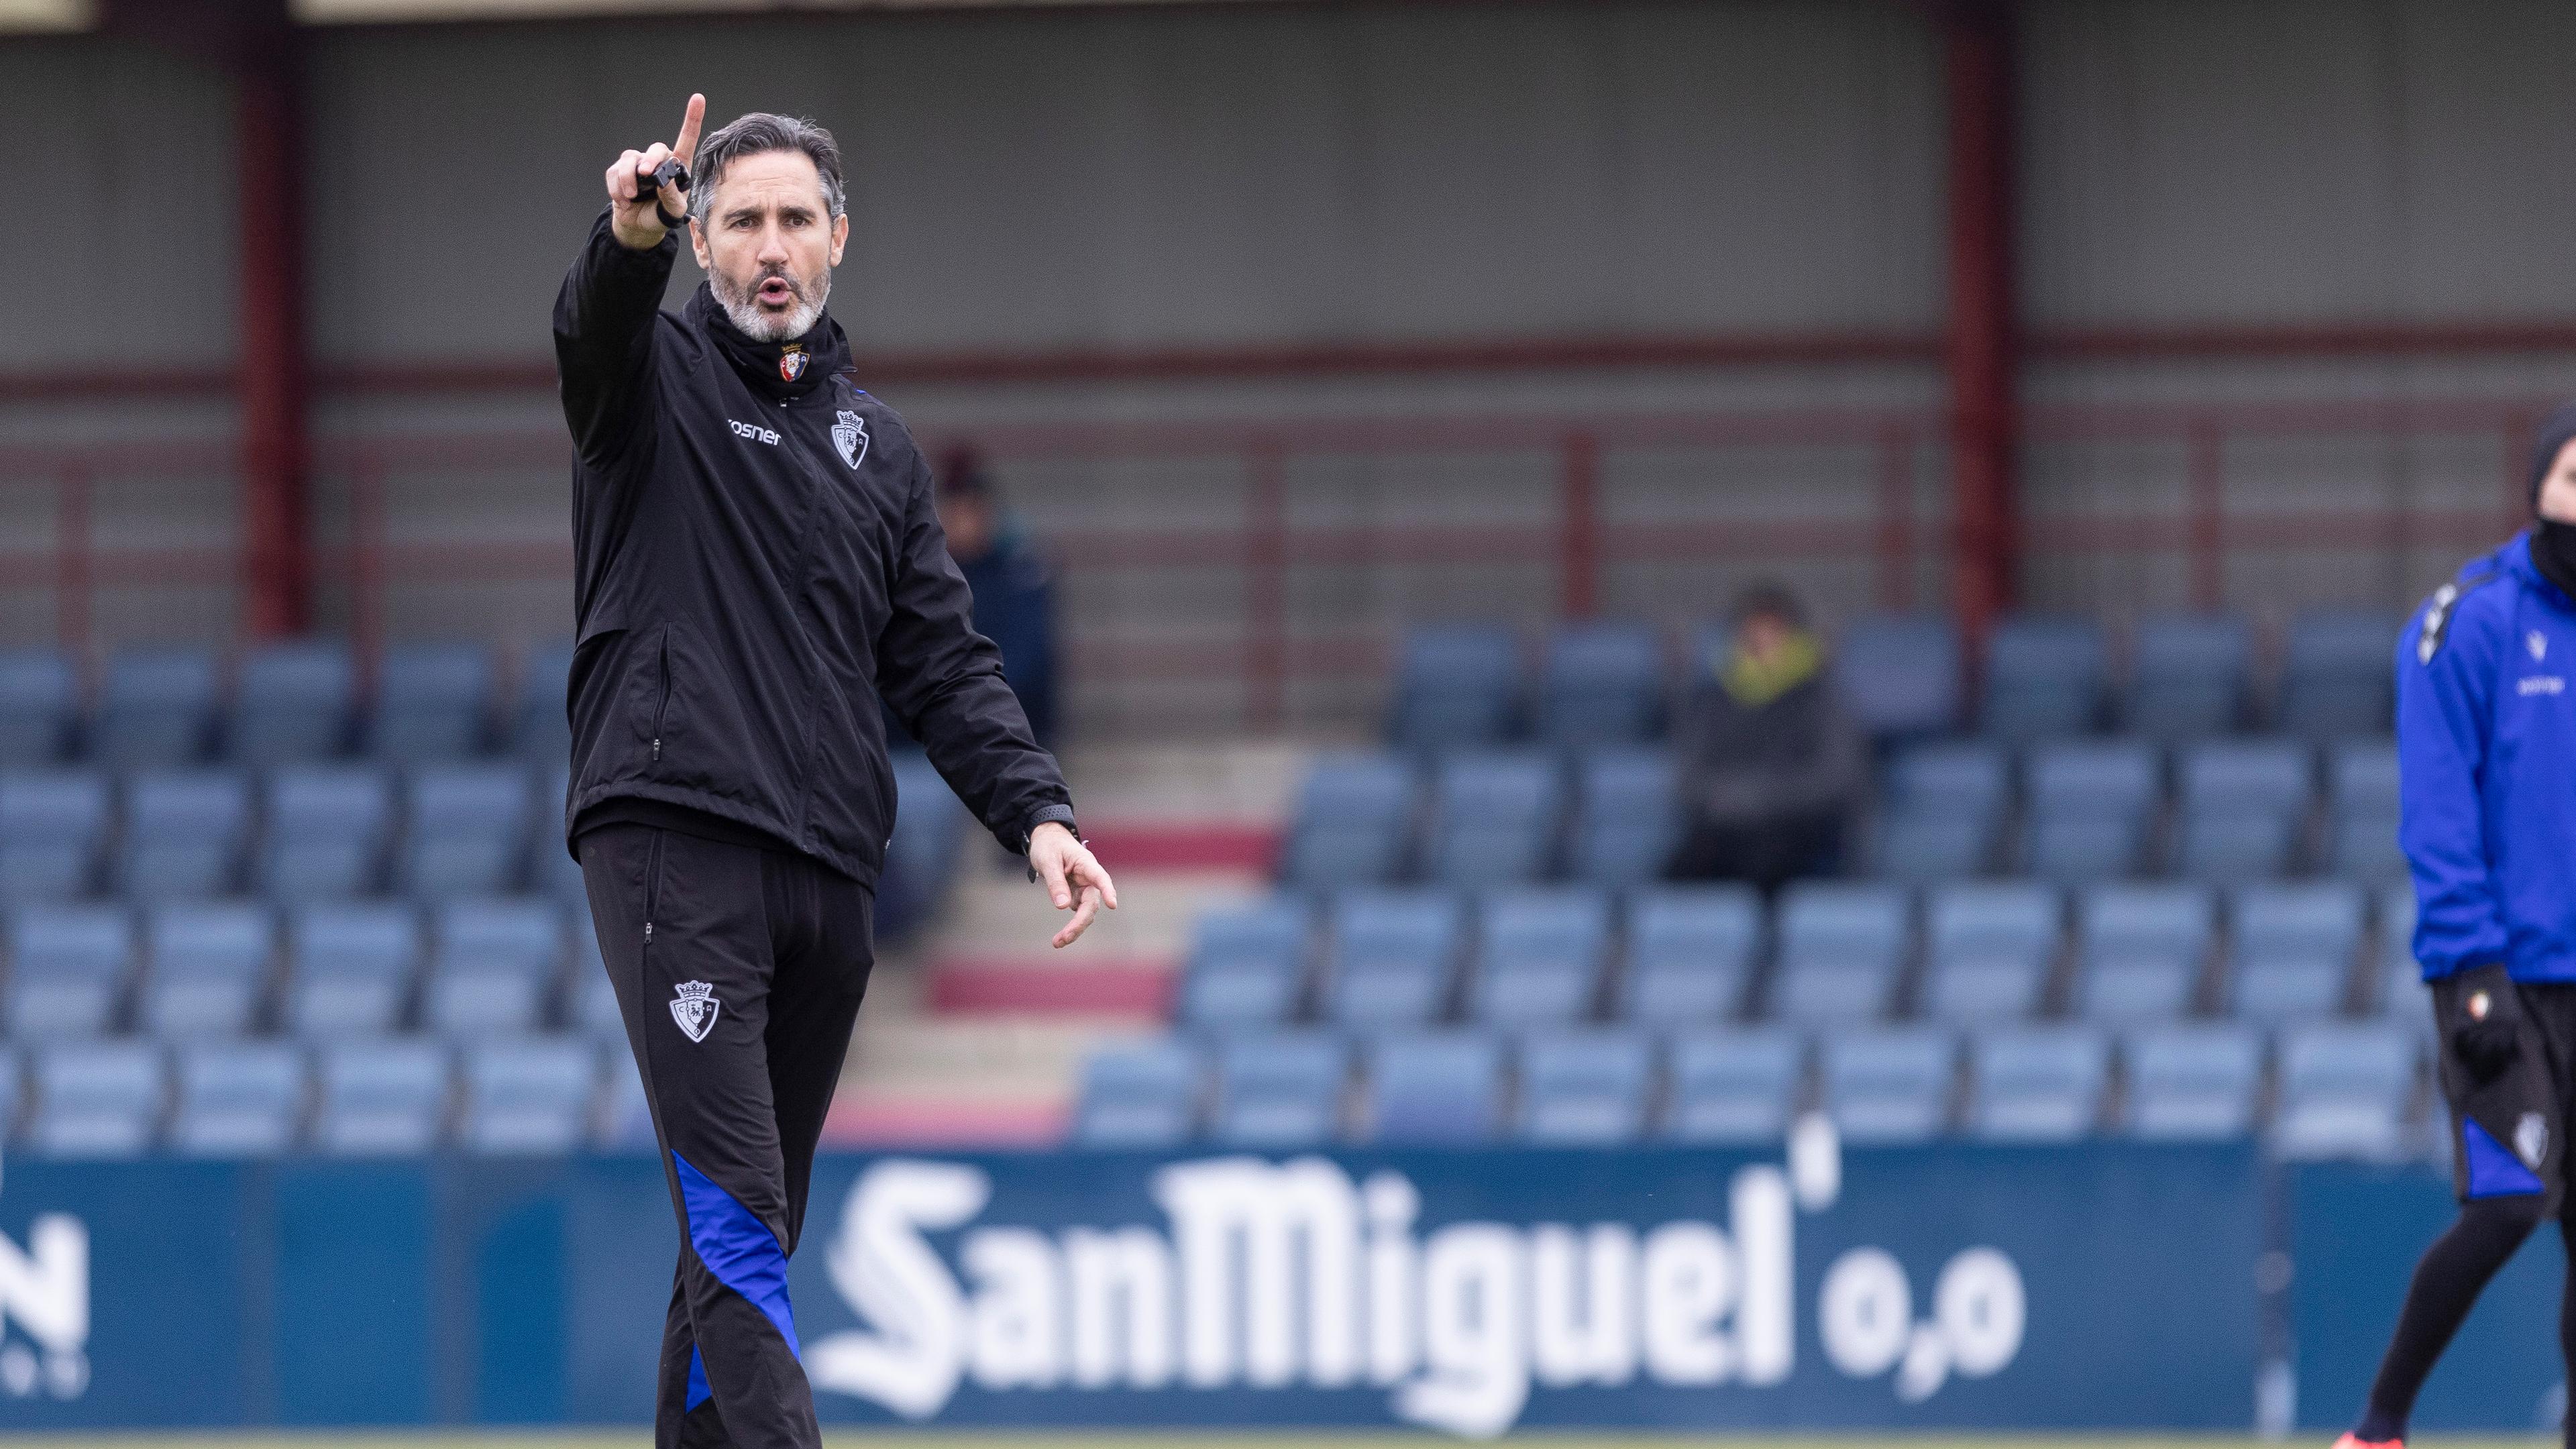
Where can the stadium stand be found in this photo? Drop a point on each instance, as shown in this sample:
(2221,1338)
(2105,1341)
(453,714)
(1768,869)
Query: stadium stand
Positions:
(1733,1086)
(1394,958)
(1353,819)
(296,702)
(1139,1095)
(1626,819)
(2092,805)
(2038,1084)
(1584,1088)
(1280,1091)
(185,834)
(2044,678)
(1435,1090)
(1457,687)
(1602,684)
(156,707)
(39,707)
(2192,677)
(1690,953)
(433,703)
(238,1099)
(53,824)
(1900,676)
(1539,957)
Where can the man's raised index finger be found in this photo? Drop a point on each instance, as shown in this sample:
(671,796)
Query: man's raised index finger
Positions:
(686,146)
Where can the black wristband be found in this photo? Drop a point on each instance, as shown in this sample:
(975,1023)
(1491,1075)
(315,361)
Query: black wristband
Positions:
(670,173)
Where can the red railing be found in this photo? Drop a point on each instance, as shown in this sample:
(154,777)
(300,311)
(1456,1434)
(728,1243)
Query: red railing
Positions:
(1579,545)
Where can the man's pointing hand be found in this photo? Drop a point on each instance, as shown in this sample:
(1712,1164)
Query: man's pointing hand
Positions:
(635,204)
(1073,879)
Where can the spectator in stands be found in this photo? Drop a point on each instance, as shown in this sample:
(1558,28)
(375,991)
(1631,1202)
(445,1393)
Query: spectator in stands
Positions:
(1771,762)
(1014,595)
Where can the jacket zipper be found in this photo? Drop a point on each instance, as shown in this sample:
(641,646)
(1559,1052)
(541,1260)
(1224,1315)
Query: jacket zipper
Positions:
(662,706)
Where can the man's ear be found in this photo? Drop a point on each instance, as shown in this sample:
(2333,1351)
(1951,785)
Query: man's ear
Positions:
(698,245)
(840,236)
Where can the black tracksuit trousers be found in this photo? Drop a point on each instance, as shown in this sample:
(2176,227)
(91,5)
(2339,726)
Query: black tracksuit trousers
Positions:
(739,972)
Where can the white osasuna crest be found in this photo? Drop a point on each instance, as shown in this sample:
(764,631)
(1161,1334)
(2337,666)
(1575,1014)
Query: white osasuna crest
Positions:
(2537,643)
(850,435)
(695,1009)
(2531,1134)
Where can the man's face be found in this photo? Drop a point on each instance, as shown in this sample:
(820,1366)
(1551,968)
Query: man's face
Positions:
(769,243)
(1761,635)
(2558,488)
(968,522)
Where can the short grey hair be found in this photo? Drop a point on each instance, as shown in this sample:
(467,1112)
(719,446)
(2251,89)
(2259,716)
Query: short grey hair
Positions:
(752,135)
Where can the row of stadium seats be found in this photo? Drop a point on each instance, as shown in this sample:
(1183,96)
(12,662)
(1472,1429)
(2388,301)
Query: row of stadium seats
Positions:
(2189,677)
(2095,810)
(466,968)
(289,701)
(1372,960)
(2340,1089)
(2088,811)
(356,1097)
(316,832)
(300,832)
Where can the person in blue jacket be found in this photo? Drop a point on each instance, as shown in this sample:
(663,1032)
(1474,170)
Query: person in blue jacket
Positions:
(1013,588)
(2486,748)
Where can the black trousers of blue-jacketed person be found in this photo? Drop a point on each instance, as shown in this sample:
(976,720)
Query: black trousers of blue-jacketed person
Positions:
(739,971)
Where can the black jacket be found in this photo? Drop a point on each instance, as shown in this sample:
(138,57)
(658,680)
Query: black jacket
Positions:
(1795,757)
(755,563)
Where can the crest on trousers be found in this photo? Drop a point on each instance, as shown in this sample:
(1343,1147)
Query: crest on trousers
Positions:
(695,1009)
(850,435)
(2537,643)
(2531,1139)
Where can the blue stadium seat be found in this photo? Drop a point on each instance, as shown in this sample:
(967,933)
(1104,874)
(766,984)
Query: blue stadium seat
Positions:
(1354,815)
(1733,1087)
(68,970)
(1584,1088)
(1889,1085)
(541,729)
(493,963)
(1394,957)
(1627,817)
(1139,1094)
(1281,1091)
(2044,678)
(2090,805)
(2361,827)
(1457,688)
(1899,675)
(1494,819)
(1603,684)
(2038,1084)
(381,1098)
(2345,1090)
(209,966)
(2192,1083)
(2294,947)
(532,1095)
(351,970)
(466,831)
(185,834)
(238,1099)
(1539,957)
(155,707)
(1990,950)
(2243,803)
(13,1091)
(433,702)
(2192,676)
(326,831)
(295,701)
(98,1099)
(931,826)
(558,874)
(39,707)
(593,1009)
(1435,1090)
(2339,675)
(2403,996)
(1940,811)
(1690,954)
(52,823)
(1247,965)
(1841,946)
(625,1120)
(2139,950)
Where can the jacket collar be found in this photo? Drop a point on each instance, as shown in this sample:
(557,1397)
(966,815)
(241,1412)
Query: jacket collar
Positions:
(774,369)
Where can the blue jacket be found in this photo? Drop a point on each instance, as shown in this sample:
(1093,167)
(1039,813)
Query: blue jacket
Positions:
(2486,747)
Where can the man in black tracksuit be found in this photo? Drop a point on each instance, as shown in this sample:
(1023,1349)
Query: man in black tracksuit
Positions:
(758,563)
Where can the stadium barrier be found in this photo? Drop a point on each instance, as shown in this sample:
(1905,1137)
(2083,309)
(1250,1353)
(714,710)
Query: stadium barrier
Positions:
(2107,1285)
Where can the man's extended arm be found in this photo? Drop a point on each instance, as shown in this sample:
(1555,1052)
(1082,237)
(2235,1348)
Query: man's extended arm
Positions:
(604,314)
(2443,703)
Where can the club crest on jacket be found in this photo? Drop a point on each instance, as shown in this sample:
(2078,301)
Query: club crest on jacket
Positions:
(695,1009)
(850,435)
(791,363)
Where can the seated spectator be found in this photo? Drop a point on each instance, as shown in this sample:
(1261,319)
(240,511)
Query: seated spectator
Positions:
(1014,594)
(1771,762)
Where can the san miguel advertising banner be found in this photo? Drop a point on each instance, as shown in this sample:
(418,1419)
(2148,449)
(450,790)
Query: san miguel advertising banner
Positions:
(1468,1292)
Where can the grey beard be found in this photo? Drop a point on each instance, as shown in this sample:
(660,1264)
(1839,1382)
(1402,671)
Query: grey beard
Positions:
(744,311)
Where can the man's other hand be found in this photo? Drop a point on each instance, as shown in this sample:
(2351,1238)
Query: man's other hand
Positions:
(1072,877)
(634,203)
